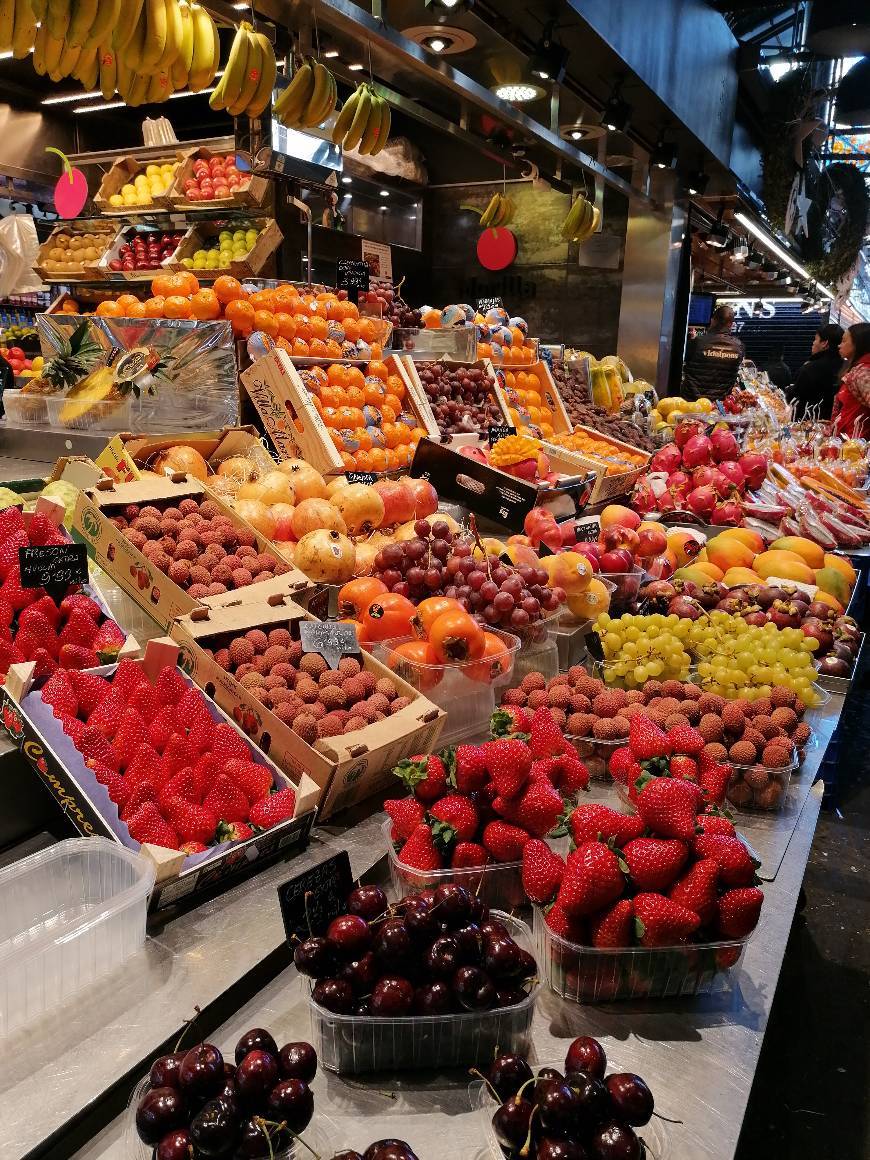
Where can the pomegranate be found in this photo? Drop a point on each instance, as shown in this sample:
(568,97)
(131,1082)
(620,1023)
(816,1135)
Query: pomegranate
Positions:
(307,483)
(282,513)
(724,445)
(733,472)
(425,498)
(667,458)
(754,466)
(327,557)
(360,506)
(729,512)
(702,500)
(257,515)
(687,430)
(697,452)
(276,488)
(398,500)
(238,468)
(312,514)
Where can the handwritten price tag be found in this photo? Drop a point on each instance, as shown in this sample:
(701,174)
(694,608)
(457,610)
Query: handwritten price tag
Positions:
(328,638)
(53,567)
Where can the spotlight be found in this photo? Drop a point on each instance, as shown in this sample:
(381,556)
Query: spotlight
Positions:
(616,114)
(697,182)
(356,67)
(437,43)
(664,154)
(330,53)
(346,180)
(549,59)
(718,235)
(451,5)
(741,250)
(519,93)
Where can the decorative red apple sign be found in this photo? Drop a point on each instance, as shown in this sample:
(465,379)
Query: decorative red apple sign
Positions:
(496,248)
(71,190)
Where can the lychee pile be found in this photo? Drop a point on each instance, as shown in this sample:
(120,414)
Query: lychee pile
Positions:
(196,545)
(475,804)
(179,779)
(75,635)
(302,690)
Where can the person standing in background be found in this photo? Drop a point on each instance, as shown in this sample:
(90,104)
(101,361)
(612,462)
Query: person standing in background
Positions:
(852,404)
(816,382)
(778,370)
(712,360)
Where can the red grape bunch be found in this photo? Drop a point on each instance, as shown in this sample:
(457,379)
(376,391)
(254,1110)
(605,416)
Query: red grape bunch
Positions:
(460,396)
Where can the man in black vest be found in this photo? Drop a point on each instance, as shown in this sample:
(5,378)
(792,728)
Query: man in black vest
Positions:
(712,360)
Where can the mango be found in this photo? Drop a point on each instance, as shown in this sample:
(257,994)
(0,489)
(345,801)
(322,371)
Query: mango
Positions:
(737,577)
(747,536)
(842,565)
(832,581)
(729,552)
(809,551)
(693,573)
(784,564)
(712,571)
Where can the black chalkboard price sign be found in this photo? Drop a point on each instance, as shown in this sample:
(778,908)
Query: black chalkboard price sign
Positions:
(311,900)
(53,567)
(368,477)
(329,638)
(484,304)
(498,431)
(352,275)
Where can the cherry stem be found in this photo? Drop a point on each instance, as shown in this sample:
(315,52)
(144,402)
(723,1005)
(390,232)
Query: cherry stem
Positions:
(188,1023)
(305,898)
(283,1127)
(524,1151)
(487,1084)
(666,1119)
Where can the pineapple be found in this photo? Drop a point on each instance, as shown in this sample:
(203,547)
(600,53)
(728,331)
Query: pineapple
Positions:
(78,356)
(91,400)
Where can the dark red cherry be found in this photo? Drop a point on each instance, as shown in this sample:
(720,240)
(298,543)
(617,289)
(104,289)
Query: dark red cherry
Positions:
(297,1061)
(165,1070)
(158,1112)
(586,1054)
(253,1040)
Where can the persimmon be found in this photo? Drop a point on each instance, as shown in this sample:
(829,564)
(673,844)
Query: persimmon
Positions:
(456,637)
(494,663)
(430,609)
(415,662)
(389,615)
(109,309)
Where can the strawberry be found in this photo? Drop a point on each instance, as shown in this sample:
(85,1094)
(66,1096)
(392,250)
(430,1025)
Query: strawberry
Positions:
(457,812)
(162,727)
(685,740)
(82,602)
(539,808)
(423,774)
(177,754)
(171,686)
(43,664)
(697,889)
(254,780)
(504,842)
(467,768)
(468,854)
(659,922)
(234,832)
(228,743)
(574,776)
(668,807)
(542,871)
(80,630)
(116,787)
(510,720)
(192,822)
(183,786)
(108,642)
(545,737)
(137,797)
(685,768)
(77,656)
(95,749)
(562,924)
(714,823)
(44,608)
(147,825)
(145,701)
(200,732)
(59,693)
(14,595)
(738,912)
(714,779)
(131,733)
(103,772)
(9,552)
(420,851)
(144,764)
(73,728)
(205,771)
(509,763)
(613,927)
(593,879)
(620,763)
(127,677)
(406,814)
(41,531)
(38,630)
(107,715)
(8,654)
(7,612)
(90,689)
(226,801)
(11,521)
(588,823)
(277,807)
(194,847)
(736,865)
(646,740)
(654,863)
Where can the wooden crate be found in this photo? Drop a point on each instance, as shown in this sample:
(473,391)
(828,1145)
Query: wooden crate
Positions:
(122,173)
(248,267)
(607,487)
(86,270)
(484,364)
(252,196)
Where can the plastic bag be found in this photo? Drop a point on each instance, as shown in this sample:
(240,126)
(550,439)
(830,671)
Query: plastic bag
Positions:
(19,247)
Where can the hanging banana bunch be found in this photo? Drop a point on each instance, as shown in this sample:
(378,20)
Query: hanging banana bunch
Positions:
(364,122)
(24,28)
(499,212)
(246,85)
(581,222)
(310,97)
(205,59)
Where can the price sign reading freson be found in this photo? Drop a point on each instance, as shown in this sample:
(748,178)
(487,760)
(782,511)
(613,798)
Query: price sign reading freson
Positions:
(352,275)
(53,567)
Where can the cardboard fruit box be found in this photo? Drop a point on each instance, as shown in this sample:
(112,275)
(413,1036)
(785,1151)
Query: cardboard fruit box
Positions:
(125,457)
(31,723)
(347,768)
(152,590)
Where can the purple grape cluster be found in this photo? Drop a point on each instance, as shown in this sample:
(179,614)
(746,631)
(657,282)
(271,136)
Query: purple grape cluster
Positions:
(460,397)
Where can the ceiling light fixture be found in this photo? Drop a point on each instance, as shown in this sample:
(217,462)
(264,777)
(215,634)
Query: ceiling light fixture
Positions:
(100,108)
(617,112)
(384,193)
(718,235)
(519,93)
(451,5)
(330,53)
(697,182)
(64,98)
(437,43)
(346,180)
(664,154)
(356,67)
(768,242)
(549,59)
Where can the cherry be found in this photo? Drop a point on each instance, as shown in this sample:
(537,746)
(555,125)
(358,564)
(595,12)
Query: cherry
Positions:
(361,975)
(159,1111)
(315,957)
(510,1123)
(334,994)
(586,1054)
(557,1105)
(509,997)
(502,958)
(292,1102)
(259,1139)
(478,910)
(393,943)
(545,1076)
(433,999)
(165,1070)
(229,1097)
(454,904)
(593,1103)
(507,1073)
(469,942)
(213,1130)
(369,902)
(420,919)
(630,1098)
(297,1061)
(253,1040)
(491,927)
(550,1148)
(442,958)
(178,1145)
(389,1150)
(473,988)
(616,1142)
(527,966)
(350,935)
(201,1074)
(392,995)
(256,1075)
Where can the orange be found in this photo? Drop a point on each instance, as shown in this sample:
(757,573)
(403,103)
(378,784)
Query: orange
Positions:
(516,336)
(333,348)
(367,330)
(264,320)
(317,309)
(336,438)
(262,299)
(393,461)
(363,460)
(317,348)
(286,324)
(153,307)
(365,440)
(378,458)
(512,380)
(355,397)
(432,319)
(227,288)
(303,330)
(284,297)
(377,350)
(348,461)
(319,327)
(166,284)
(484,350)
(125,301)
(388,415)
(241,314)
(205,305)
(353,377)
(330,417)
(394,403)
(349,310)
(351,329)
(336,374)
(335,309)
(135,310)
(378,370)
(109,309)
(176,306)
(319,375)
(374,393)
(395,386)
(300,347)
(418,433)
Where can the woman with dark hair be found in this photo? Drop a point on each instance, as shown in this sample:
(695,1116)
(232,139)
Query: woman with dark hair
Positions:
(816,382)
(852,404)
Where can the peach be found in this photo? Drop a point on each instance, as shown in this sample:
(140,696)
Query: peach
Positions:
(615,515)
(728,552)
(568,570)
(589,602)
(684,545)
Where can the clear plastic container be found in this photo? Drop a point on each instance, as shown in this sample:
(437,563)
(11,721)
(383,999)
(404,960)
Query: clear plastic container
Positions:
(625,590)
(586,974)
(759,787)
(498,884)
(539,651)
(596,754)
(111,415)
(68,915)
(25,410)
(351,1044)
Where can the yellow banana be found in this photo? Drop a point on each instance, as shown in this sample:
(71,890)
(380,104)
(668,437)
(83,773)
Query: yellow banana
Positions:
(39,49)
(156,33)
(132,51)
(486,218)
(57,16)
(344,120)
(138,89)
(67,62)
(230,85)
(8,14)
(294,99)
(315,110)
(106,19)
(182,65)
(24,36)
(373,125)
(39,7)
(108,61)
(268,72)
(125,29)
(251,79)
(87,68)
(82,16)
(124,79)
(383,128)
(53,53)
(174,35)
(360,120)
(206,50)
(159,87)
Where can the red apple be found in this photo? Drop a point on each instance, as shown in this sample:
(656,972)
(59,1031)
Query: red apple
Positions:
(618,560)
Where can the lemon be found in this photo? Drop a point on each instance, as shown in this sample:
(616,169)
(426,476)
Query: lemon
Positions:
(116,199)
(151,170)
